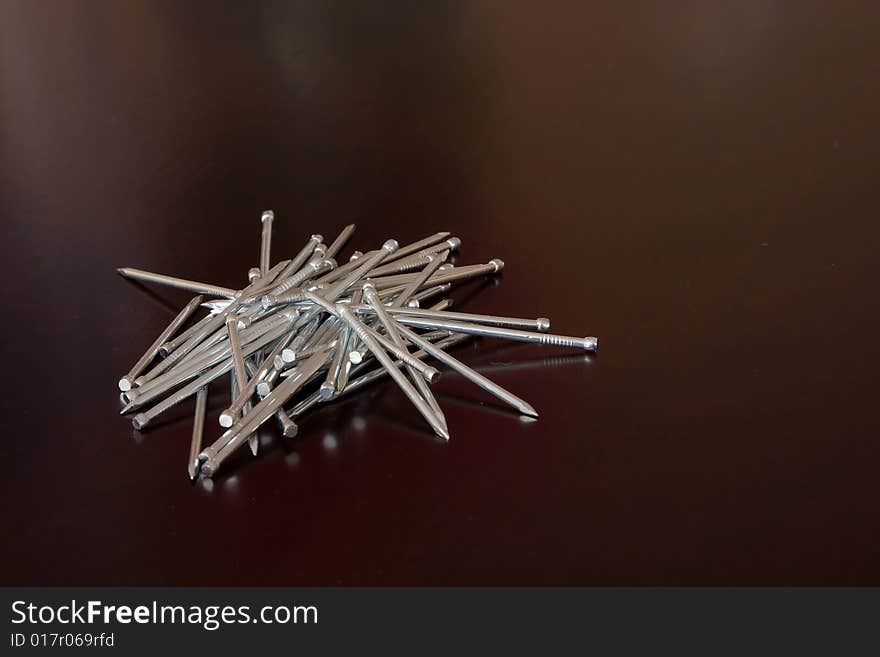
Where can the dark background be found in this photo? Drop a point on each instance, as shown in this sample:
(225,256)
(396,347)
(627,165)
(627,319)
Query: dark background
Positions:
(696,183)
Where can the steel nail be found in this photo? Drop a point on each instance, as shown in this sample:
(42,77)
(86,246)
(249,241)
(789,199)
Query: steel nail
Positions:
(368,337)
(239,373)
(266,241)
(126,381)
(475,377)
(179,283)
(198,431)
(340,241)
(589,343)
(392,332)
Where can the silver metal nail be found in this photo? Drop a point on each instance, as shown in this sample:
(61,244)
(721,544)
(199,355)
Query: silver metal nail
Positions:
(238,370)
(340,241)
(369,262)
(126,381)
(431,374)
(475,377)
(415,247)
(368,337)
(588,344)
(328,386)
(362,379)
(214,455)
(266,241)
(224,366)
(541,324)
(398,264)
(302,257)
(179,283)
(198,431)
(392,332)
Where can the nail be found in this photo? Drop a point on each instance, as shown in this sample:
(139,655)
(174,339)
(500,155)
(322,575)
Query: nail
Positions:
(390,286)
(141,420)
(214,455)
(211,374)
(340,241)
(289,428)
(198,430)
(264,387)
(587,344)
(392,332)
(541,324)
(173,281)
(361,271)
(239,373)
(431,292)
(309,327)
(285,292)
(475,377)
(398,264)
(363,379)
(227,417)
(198,361)
(369,339)
(415,247)
(431,374)
(442,305)
(171,345)
(409,290)
(126,381)
(302,257)
(266,241)
(216,323)
(329,386)
(375,374)
(345,347)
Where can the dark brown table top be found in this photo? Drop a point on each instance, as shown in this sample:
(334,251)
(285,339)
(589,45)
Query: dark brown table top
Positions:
(697,186)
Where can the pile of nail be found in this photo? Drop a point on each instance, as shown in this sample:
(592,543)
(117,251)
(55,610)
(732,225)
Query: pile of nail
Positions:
(306,331)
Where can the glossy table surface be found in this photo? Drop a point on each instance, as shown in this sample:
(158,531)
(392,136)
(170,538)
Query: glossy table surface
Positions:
(697,186)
